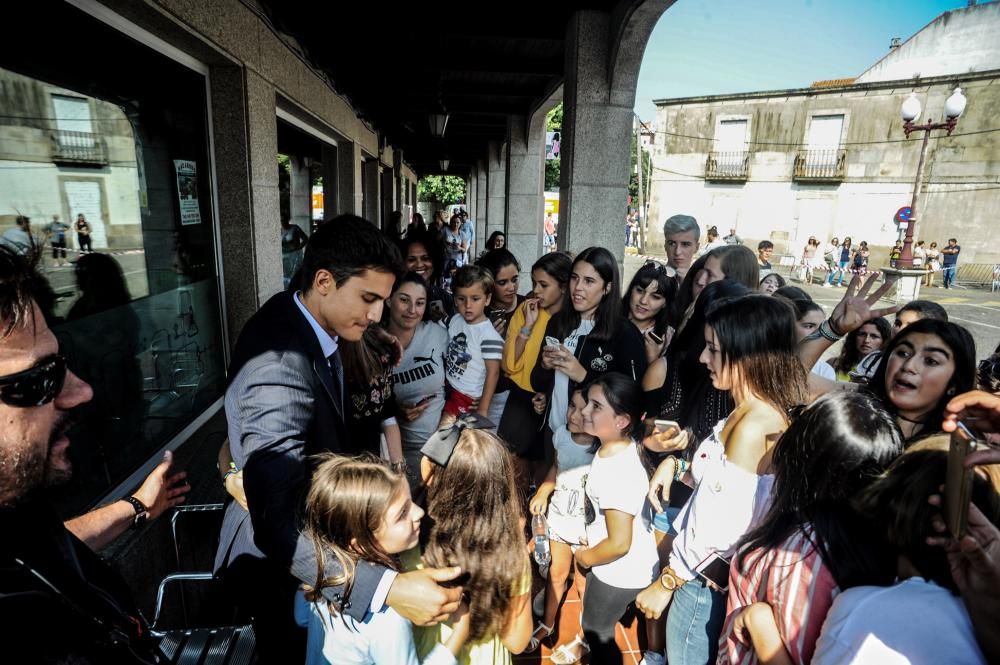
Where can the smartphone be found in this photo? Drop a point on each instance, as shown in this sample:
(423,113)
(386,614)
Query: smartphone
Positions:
(552,341)
(958,482)
(419,401)
(666,425)
(656,338)
(714,569)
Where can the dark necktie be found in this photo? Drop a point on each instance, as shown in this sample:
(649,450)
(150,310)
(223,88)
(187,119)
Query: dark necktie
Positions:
(337,369)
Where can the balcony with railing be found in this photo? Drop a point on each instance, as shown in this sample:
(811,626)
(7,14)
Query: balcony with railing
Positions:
(820,165)
(731,166)
(78,148)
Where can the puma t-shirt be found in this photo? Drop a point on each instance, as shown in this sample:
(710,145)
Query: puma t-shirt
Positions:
(419,375)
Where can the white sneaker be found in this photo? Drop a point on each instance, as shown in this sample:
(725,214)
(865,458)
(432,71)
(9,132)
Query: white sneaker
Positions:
(826,285)
(652,658)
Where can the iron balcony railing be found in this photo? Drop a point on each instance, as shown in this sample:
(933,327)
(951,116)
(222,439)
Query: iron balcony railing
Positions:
(78,147)
(820,165)
(731,166)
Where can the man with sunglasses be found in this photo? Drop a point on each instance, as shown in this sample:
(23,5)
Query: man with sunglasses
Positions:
(57,597)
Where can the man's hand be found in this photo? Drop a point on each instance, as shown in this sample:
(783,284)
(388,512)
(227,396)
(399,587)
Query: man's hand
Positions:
(162,489)
(392,342)
(652,600)
(417,596)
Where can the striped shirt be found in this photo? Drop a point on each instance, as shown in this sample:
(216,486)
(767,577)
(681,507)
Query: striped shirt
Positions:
(798,586)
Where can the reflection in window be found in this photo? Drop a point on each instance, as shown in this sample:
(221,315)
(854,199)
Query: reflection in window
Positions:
(111,187)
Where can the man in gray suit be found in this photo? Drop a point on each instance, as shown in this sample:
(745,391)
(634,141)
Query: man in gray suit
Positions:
(285,404)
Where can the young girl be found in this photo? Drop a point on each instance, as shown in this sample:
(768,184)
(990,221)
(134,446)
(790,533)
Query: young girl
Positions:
(870,337)
(810,538)
(562,494)
(505,270)
(758,366)
(476,522)
(771,282)
(920,618)
(520,426)
(646,303)
(621,550)
(359,509)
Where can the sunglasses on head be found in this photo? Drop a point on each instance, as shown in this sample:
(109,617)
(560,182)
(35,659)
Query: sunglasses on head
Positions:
(661,267)
(36,385)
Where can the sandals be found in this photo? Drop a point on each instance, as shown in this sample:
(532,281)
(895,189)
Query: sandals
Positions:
(563,654)
(535,642)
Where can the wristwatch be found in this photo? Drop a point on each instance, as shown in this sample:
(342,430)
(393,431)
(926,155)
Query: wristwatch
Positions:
(669,579)
(140,511)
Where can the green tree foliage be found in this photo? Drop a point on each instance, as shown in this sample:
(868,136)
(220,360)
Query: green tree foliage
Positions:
(553,123)
(444,190)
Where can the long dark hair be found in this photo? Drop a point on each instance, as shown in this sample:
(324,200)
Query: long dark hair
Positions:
(832,449)
(607,318)
(963,350)
(432,242)
(666,286)
(496,259)
(739,263)
(685,294)
(757,335)
(624,397)
(849,355)
(408,278)
(556,265)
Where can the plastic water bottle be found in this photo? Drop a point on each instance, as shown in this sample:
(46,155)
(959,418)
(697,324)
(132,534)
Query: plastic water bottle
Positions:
(540,530)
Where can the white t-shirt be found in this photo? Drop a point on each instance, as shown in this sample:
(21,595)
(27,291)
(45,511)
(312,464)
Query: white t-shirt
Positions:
(620,483)
(823,368)
(469,347)
(421,374)
(913,622)
(383,637)
(560,387)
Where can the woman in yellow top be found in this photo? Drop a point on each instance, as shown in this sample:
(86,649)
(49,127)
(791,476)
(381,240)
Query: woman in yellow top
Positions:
(521,426)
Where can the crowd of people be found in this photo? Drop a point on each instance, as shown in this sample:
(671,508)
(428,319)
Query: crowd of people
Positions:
(840,260)
(403,413)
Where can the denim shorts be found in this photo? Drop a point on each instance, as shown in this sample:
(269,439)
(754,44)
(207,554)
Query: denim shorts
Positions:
(663,521)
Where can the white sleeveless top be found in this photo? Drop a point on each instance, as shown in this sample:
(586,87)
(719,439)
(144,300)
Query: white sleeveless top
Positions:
(727,501)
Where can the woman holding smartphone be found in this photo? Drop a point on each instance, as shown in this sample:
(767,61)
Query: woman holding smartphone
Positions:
(418,380)
(758,366)
(593,336)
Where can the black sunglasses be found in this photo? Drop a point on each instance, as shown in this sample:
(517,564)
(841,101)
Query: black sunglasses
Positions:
(36,385)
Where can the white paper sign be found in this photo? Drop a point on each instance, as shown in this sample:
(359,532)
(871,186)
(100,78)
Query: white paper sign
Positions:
(187,191)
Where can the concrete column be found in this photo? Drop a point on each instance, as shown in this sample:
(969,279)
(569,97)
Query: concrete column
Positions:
(387,194)
(243,105)
(347,159)
(470,205)
(496,192)
(357,175)
(482,210)
(372,198)
(525,184)
(596,141)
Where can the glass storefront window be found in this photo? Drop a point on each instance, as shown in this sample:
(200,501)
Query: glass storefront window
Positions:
(112,169)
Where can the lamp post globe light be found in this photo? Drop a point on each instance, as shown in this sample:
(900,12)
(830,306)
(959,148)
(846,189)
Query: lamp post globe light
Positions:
(910,111)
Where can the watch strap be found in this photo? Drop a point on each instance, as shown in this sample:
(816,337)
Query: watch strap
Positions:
(141,513)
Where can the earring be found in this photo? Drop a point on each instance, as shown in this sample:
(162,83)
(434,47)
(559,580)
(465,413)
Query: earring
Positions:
(950,391)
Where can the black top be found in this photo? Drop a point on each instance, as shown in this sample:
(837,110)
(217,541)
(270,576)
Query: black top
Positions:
(59,602)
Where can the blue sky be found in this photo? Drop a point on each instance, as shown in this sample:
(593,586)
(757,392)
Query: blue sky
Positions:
(706,47)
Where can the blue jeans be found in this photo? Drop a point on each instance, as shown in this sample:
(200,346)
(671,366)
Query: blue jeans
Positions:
(694,624)
(948,274)
(663,521)
(840,273)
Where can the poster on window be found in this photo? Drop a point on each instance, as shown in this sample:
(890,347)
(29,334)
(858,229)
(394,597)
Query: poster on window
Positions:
(187,191)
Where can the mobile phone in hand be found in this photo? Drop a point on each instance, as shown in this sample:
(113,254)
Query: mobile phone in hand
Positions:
(656,338)
(666,425)
(714,569)
(958,481)
(552,341)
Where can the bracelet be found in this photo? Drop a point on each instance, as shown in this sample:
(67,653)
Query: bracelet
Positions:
(679,470)
(526,331)
(826,330)
(230,471)
(398,467)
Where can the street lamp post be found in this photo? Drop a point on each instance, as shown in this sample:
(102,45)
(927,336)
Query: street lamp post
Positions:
(953,108)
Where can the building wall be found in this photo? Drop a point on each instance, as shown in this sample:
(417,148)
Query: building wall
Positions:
(962,173)
(960,41)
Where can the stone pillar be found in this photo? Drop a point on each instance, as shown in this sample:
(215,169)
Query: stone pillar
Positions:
(372,199)
(243,105)
(470,207)
(596,141)
(387,194)
(525,184)
(347,164)
(496,190)
(482,210)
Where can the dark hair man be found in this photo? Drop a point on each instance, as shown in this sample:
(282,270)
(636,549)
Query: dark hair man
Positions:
(284,404)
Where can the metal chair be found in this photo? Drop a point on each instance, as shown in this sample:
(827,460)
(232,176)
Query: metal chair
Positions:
(230,644)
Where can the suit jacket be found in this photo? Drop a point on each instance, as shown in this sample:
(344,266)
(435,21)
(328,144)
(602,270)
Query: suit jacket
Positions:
(282,408)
